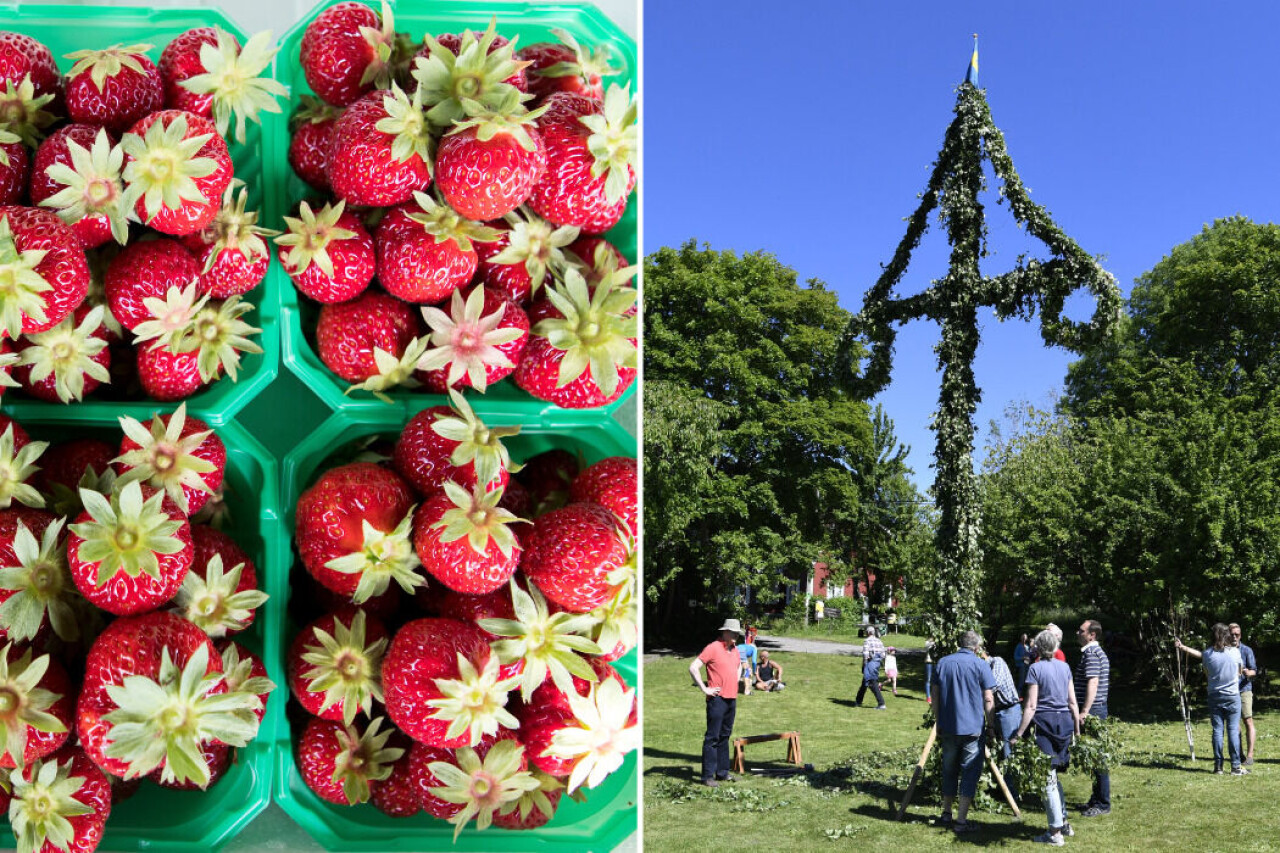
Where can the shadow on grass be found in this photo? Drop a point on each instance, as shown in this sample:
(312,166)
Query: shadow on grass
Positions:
(651,752)
(1168,762)
(844,703)
(988,832)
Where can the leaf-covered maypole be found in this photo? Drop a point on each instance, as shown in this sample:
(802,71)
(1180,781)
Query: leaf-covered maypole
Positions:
(953,301)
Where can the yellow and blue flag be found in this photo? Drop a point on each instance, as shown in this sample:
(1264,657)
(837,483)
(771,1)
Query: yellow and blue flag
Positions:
(971,73)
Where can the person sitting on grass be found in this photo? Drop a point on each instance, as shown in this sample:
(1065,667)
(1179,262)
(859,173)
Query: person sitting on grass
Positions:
(768,674)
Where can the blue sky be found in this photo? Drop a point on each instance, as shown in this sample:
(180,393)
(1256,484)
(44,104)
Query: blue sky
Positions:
(807,129)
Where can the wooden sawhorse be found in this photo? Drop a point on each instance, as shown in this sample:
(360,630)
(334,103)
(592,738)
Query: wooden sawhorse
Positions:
(793,748)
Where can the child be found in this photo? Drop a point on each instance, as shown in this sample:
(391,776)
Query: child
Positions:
(891,667)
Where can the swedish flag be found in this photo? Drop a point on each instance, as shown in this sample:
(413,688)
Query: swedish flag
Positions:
(971,73)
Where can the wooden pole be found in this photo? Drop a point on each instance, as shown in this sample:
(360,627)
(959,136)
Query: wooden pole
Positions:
(918,772)
(1182,699)
(1004,789)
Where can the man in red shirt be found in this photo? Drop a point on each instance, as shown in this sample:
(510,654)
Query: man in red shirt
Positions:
(721,690)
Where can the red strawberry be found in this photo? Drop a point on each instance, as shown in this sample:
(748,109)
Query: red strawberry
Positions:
(397,795)
(206,72)
(347,51)
(166,376)
(64,466)
(425,250)
(62,804)
(220,593)
(548,477)
(465,783)
(339,762)
(453,42)
(77,174)
(24,109)
(311,127)
(441,443)
(384,606)
(463,540)
(335,665)
(534,808)
(441,683)
(479,342)
(470,67)
(232,255)
(144,270)
(68,361)
(575,556)
(349,334)
(328,254)
(174,155)
(600,260)
(21,55)
(380,150)
(113,88)
(15,167)
(593,358)
(129,552)
(473,608)
(217,756)
(207,346)
(46,265)
(487,165)
(244,672)
(517,263)
(567,67)
(177,454)
(614,484)
(353,529)
(591,152)
(36,718)
(154,698)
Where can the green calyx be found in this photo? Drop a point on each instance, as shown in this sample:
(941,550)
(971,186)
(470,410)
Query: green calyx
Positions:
(109,62)
(483,787)
(41,809)
(475,701)
(506,116)
(467,341)
(16,469)
(602,266)
(309,236)
(386,49)
(534,242)
(535,798)
(22,113)
(7,138)
(617,622)
(97,295)
(21,287)
(218,336)
(41,585)
(164,167)
(212,602)
(238,675)
(235,229)
(127,534)
(346,668)
(365,757)
(171,317)
(23,703)
(547,643)
(66,352)
(614,140)
(597,330)
(164,458)
(91,185)
(382,558)
(588,62)
(393,371)
(475,73)
(444,223)
(477,517)
(8,360)
(406,122)
(233,77)
(478,444)
(602,738)
(65,500)
(312,110)
(168,721)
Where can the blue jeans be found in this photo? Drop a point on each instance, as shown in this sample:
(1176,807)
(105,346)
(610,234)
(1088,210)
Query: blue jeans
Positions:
(1101,796)
(1224,711)
(715,744)
(870,678)
(1008,720)
(962,762)
(1055,802)
(928,681)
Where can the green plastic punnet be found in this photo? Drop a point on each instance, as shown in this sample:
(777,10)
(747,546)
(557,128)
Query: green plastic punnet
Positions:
(610,813)
(165,820)
(530,22)
(66,28)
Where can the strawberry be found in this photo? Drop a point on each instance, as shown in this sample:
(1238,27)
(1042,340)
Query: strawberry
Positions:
(548,477)
(206,347)
(535,807)
(23,107)
(582,348)
(77,175)
(397,796)
(220,593)
(60,804)
(335,665)
(479,342)
(232,255)
(129,552)
(44,262)
(384,606)
(216,756)
(311,128)
(591,156)
(177,454)
(35,586)
(36,716)
(350,337)
(147,270)
(487,165)
(353,528)
(64,464)
(453,43)
(616,628)
(22,56)
(441,444)
(380,150)
(339,762)
(175,170)
(517,263)
(425,250)
(475,68)
(465,783)
(473,608)
(576,558)
(154,698)
(328,254)
(206,72)
(614,484)
(68,361)
(15,167)
(463,540)
(244,672)
(567,67)
(441,683)
(347,51)
(547,640)
(18,454)
(599,260)
(113,88)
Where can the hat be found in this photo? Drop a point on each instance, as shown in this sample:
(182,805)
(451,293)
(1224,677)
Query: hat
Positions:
(731,625)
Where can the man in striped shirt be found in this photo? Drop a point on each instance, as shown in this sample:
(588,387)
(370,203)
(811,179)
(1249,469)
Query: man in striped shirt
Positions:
(872,655)
(1093,683)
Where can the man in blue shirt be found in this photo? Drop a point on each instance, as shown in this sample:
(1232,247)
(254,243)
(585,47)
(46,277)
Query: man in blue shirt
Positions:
(1249,736)
(962,687)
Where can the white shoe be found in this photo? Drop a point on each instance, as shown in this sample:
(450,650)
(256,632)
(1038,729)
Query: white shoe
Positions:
(1053,838)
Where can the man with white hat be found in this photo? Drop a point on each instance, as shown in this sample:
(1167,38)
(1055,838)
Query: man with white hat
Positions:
(721,689)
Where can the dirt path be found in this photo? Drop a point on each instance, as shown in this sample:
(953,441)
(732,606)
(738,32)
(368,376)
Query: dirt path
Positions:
(803,645)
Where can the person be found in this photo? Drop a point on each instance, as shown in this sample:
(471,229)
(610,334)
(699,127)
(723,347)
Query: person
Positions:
(1249,661)
(1007,711)
(963,685)
(1057,632)
(1223,667)
(891,667)
(1051,705)
(818,608)
(769,674)
(721,689)
(929,646)
(872,655)
(1093,686)
(751,634)
(1022,658)
(748,657)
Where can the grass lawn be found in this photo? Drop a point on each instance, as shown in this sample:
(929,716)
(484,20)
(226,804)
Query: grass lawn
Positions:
(863,760)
